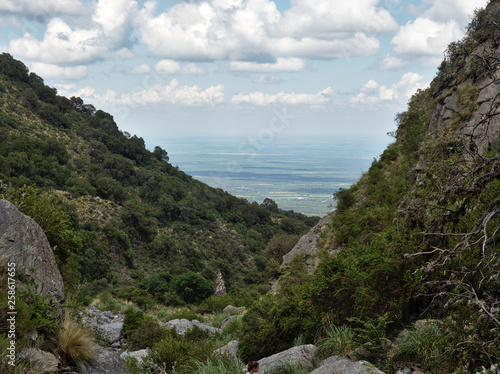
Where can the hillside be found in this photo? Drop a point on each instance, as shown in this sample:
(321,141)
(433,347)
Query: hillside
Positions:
(416,238)
(117,213)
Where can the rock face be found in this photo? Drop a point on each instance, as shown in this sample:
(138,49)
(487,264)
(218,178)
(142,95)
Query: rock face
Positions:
(301,356)
(106,324)
(23,242)
(337,364)
(234,310)
(219,285)
(307,245)
(106,361)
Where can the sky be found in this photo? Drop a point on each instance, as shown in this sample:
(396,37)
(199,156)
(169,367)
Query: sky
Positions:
(225,67)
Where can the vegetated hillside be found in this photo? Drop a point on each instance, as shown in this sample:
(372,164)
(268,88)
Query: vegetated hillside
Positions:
(116,212)
(417,237)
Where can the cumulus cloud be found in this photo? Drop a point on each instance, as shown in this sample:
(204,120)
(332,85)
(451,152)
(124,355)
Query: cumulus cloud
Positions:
(255,30)
(441,23)
(400,92)
(58,72)
(281,64)
(425,37)
(41,7)
(106,35)
(138,70)
(283,98)
(391,62)
(173,67)
(172,93)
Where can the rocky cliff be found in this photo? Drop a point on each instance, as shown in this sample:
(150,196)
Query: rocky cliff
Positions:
(23,243)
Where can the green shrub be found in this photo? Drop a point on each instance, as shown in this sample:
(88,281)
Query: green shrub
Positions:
(172,351)
(193,288)
(147,333)
(337,341)
(132,320)
(216,365)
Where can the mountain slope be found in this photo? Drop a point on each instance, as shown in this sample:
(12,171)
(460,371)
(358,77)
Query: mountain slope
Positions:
(116,210)
(417,237)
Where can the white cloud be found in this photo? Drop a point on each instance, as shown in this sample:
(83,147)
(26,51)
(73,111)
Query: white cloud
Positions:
(429,34)
(41,7)
(459,10)
(173,93)
(173,67)
(263,99)
(106,35)
(326,18)
(292,64)
(392,63)
(255,30)
(59,72)
(425,37)
(400,92)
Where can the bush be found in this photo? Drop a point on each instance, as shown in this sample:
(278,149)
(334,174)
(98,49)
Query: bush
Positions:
(337,341)
(132,320)
(193,288)
(147,333)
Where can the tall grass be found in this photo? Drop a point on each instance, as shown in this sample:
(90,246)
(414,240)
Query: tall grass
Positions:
(75,343)
(336,341)
(216,365)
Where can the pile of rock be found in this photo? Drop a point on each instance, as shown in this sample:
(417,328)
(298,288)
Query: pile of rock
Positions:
(106,325)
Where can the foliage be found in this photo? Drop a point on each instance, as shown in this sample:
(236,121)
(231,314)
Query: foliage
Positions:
(192,287)
(216,365)
(335,341)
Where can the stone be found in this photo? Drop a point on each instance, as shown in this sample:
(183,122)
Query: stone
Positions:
(106,361)
(234,310)
(23,242)
(228,321)
(301,355)
(42,362)
(219,285)
(230,349)
(181,326)
(337,364)
(111,332)
(139,355)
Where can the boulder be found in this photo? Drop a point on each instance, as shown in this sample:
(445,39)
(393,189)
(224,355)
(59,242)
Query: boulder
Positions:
(337,364)
(301,356)
(106,361)
(23,242)
(181,326)
(139,355)
(42,362)
(230,349)
(111,332)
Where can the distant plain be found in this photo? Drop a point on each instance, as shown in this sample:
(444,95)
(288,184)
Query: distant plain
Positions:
(298,173)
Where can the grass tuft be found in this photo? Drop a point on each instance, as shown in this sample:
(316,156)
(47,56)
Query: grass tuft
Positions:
(75,343)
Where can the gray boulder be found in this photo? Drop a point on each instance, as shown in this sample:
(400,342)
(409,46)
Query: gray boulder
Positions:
(23,242)
(182,326)
(139,355)
(106,361)
(337,365)
(42,362)
(301,356)
(230,349)
(111,332)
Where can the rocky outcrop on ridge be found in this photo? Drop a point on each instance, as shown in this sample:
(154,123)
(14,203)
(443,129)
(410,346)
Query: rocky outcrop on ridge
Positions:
(301,355)
(182,326)
(23,242)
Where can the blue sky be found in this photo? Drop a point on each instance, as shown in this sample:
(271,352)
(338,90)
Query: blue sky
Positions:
(194,67)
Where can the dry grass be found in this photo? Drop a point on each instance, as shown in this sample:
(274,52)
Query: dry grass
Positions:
(75,343)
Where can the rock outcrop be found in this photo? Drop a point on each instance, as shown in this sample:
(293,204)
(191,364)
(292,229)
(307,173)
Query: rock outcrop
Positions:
(230,349)
(106,361)
(182,326)
(301,356)
(337,364)
(219,285)
(107,325)
(44,362)
(23,242)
